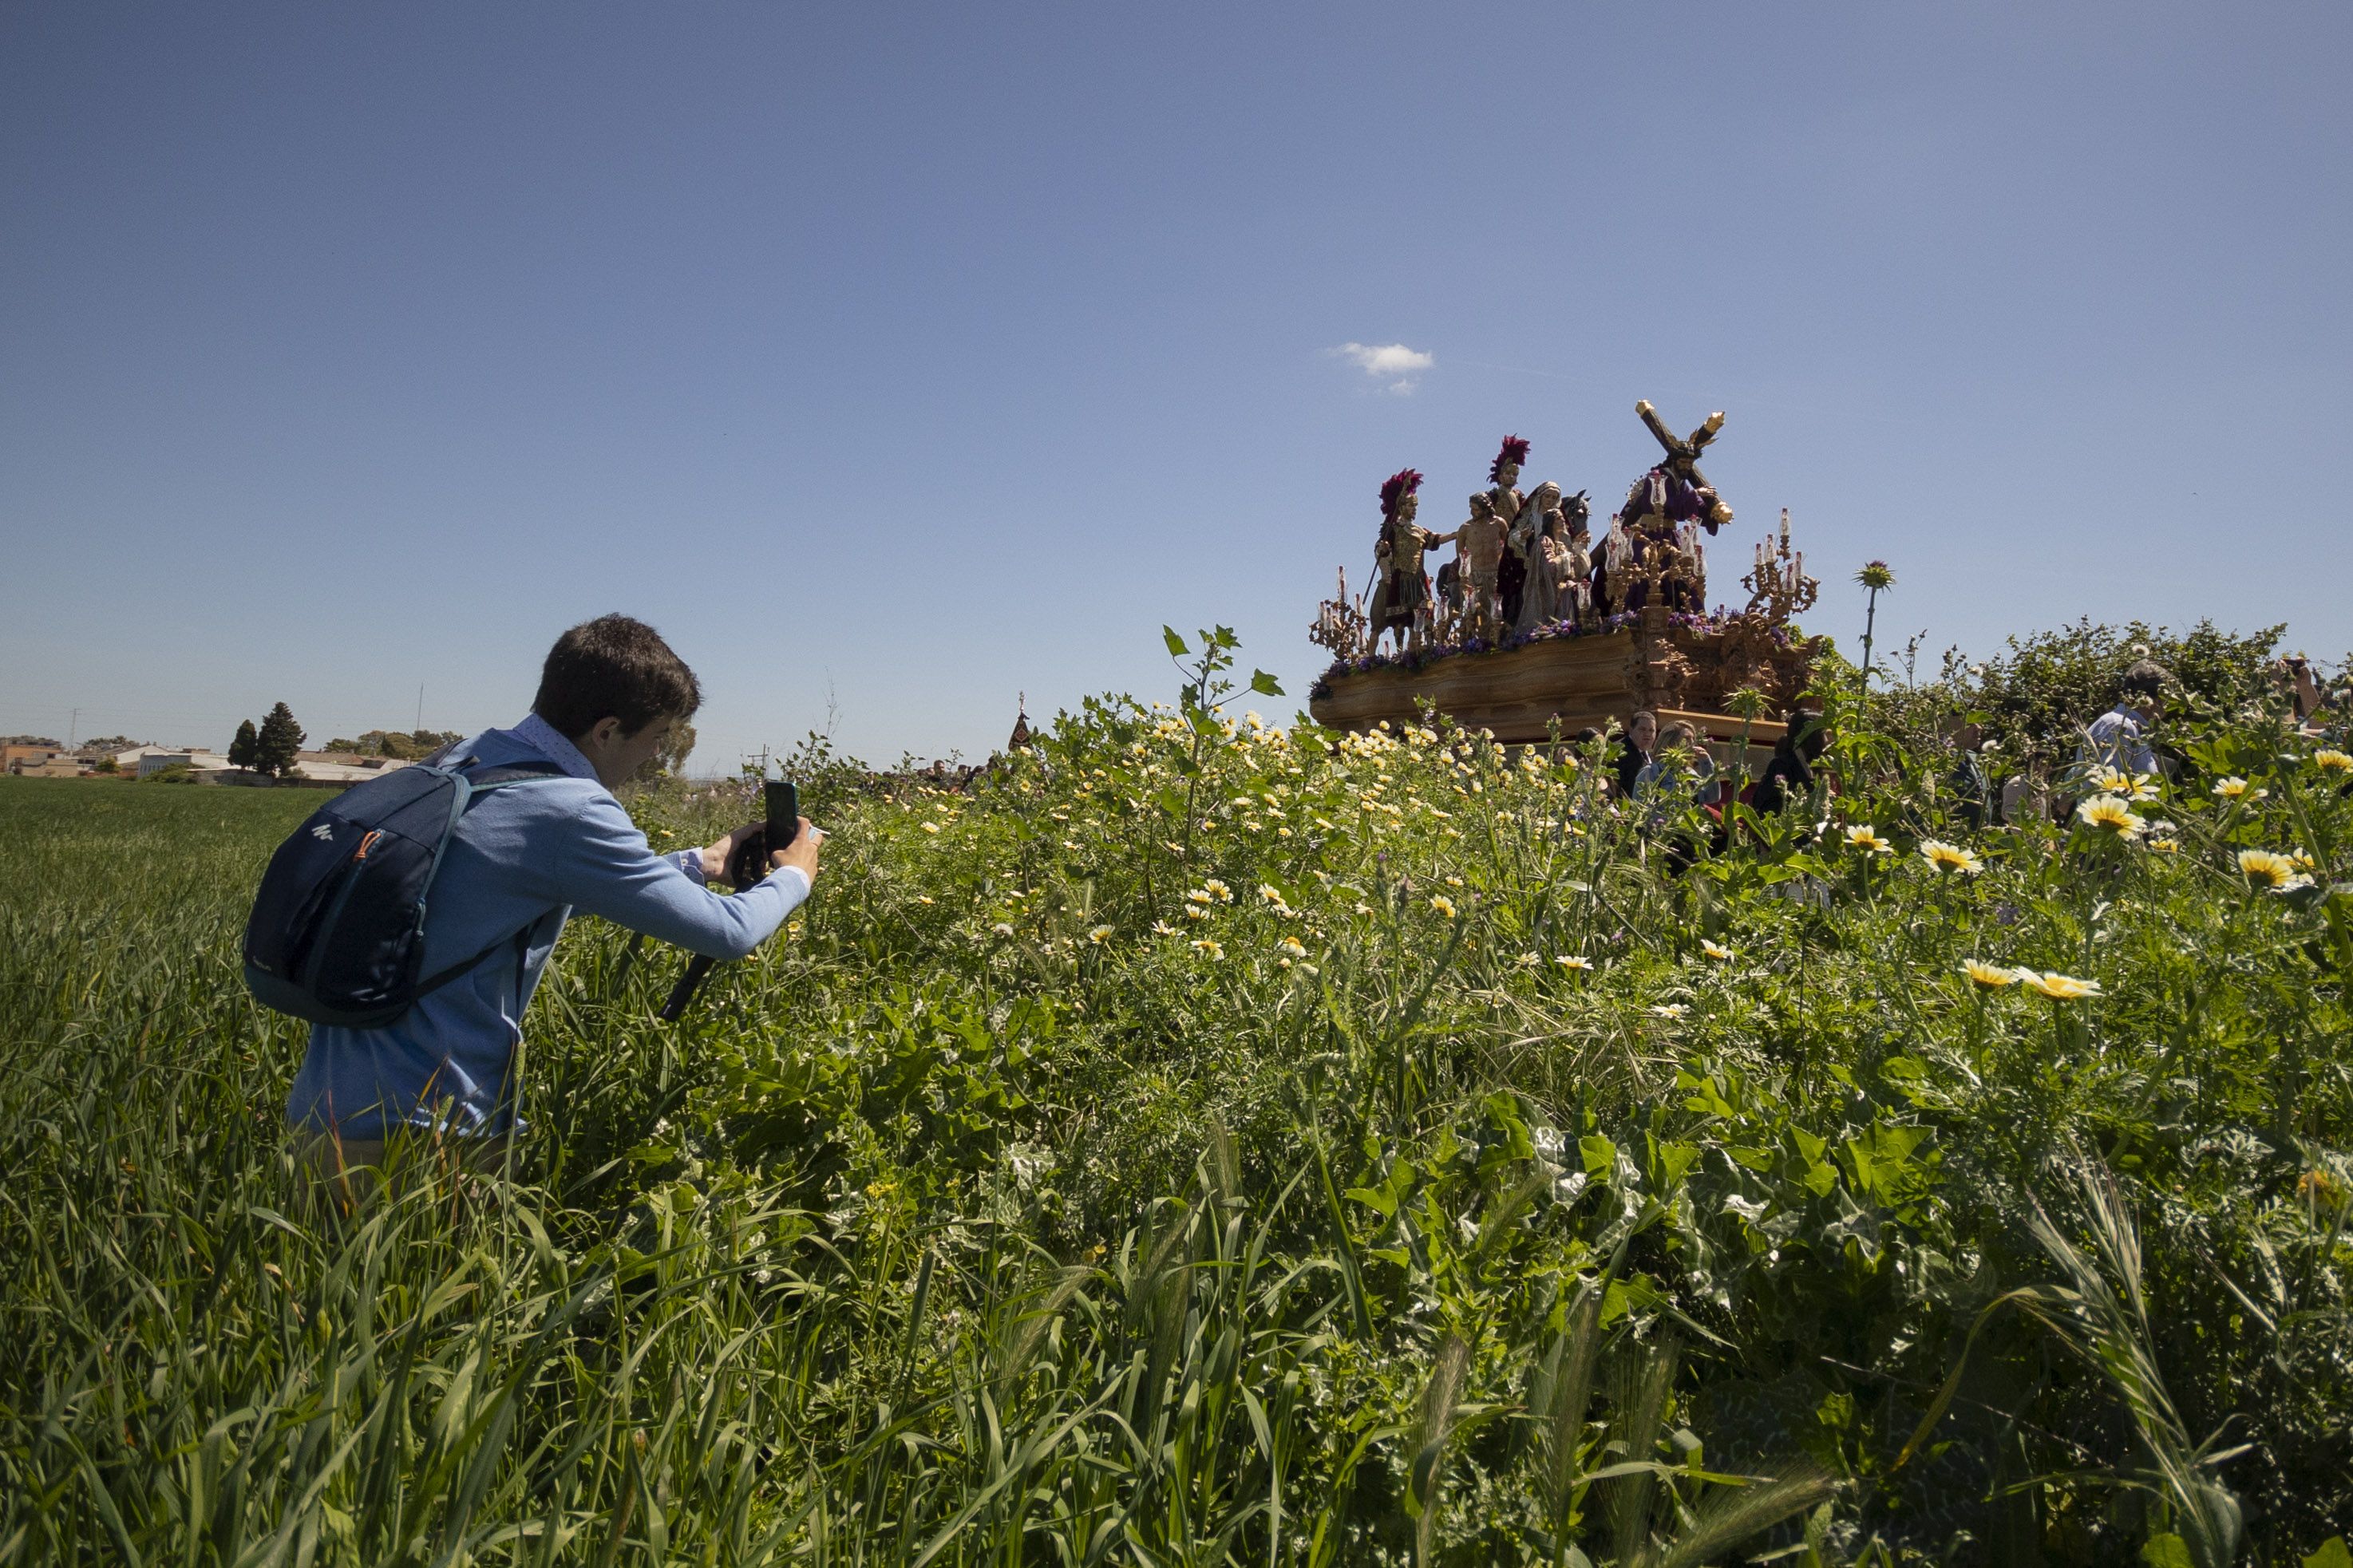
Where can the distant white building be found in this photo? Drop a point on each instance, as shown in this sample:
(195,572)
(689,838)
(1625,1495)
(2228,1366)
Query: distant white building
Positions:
(128,762)
(146,759)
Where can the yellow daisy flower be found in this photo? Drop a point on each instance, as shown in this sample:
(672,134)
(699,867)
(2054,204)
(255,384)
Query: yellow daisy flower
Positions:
(2060,987)
(931,827)
(1716,951)
(1099,934)
(2277,872)
(1225,894)
(1196,912)
(1201,895)
(2165,846)
(1574,961)
(1208,949)
(2332,761)
(1860,837)
(1162,928)
(2116,780)
(2110,813)
(1950,858)
(1992,976)
(1293,946)
(2236,788)
(1443,905)
(1669,1010)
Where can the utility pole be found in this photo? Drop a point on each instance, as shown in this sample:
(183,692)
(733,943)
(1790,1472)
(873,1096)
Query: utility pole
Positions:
(73,729)
(420,708)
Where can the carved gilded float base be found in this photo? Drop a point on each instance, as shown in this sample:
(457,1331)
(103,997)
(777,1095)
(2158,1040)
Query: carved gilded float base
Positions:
(1672,667)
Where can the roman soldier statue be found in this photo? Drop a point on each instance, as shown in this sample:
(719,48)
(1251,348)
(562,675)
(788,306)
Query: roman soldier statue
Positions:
(1401,589)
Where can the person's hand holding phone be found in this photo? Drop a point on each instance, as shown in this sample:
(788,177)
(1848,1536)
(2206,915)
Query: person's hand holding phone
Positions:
(718,857)
(801,853)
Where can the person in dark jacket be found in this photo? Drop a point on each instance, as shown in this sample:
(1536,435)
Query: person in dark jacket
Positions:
(1789,773)
(1634,753)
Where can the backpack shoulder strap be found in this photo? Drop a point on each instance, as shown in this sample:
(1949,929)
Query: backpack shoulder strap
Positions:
(467,767)
(473,781)
(508,773)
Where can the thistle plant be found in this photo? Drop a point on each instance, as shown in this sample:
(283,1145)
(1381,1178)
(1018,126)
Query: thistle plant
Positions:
(1874,576)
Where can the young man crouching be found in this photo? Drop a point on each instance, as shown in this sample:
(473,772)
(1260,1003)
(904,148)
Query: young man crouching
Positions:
(522,858)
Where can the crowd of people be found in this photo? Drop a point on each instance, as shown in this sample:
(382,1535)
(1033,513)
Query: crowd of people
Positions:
(1660,770)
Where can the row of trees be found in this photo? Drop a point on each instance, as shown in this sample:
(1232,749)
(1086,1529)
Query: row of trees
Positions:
(271,748)
(95,744)
(402,745)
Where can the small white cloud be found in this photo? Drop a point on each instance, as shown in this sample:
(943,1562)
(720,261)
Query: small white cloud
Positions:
(1391,363)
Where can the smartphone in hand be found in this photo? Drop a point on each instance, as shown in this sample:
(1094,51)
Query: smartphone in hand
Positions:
(781,800)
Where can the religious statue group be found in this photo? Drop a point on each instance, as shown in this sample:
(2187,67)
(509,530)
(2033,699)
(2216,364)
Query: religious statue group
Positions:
(1526,560)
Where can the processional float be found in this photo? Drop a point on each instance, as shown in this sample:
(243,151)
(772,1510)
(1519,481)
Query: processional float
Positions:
(1535,631)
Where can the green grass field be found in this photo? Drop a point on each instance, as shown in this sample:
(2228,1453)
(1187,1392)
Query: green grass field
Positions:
(1204,1143)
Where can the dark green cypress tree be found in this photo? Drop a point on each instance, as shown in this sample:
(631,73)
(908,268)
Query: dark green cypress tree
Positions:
(241,751)
(280,738)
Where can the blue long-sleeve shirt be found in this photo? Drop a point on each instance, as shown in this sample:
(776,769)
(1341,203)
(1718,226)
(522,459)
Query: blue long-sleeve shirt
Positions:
(521,859)
(2116,739)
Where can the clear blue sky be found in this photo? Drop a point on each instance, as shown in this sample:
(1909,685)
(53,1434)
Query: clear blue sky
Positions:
(913,357)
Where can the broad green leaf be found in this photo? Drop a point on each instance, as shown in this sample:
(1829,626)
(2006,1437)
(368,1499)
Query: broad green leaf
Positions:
(1265,685)
(1176,643)
(1671,1161)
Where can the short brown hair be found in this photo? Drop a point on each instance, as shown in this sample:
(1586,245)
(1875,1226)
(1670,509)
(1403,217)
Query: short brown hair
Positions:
(613,667)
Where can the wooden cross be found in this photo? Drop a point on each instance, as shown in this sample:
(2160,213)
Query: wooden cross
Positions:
(1687,449)
(1682,458)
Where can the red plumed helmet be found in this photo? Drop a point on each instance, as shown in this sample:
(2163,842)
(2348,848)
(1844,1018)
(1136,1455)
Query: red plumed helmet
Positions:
(1397,487)
(1514,452)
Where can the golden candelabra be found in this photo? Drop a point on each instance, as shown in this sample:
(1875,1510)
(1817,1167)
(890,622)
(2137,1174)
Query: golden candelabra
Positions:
(1777,585)
(1340,622)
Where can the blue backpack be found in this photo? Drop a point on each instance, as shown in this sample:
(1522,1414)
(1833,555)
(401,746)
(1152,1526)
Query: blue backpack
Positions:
(337,934)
